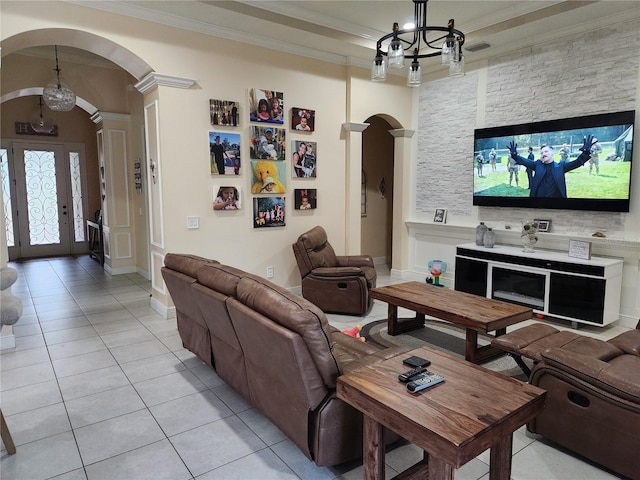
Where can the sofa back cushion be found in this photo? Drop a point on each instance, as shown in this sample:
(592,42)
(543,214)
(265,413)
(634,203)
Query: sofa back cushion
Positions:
(314,247)
(184,263)
(296,314)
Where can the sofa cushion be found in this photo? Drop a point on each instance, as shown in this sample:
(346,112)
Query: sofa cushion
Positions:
(221,278)
(628,342)
(187,264)
(296,314)
(619,376)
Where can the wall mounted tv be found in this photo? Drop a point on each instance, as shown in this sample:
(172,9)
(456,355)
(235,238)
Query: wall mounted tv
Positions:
(602,187)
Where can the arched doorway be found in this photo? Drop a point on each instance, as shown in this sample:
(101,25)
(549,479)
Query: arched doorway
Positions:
(101,73)
(377,190)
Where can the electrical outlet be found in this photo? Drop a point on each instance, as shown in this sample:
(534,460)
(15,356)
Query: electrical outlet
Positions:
(269,272)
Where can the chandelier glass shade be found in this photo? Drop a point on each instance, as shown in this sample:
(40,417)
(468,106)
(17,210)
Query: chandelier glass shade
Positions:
(425,41)
(39,122)
(57,95)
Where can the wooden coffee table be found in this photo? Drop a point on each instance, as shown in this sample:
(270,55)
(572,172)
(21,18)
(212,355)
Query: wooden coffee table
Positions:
(453,422)
(475,313)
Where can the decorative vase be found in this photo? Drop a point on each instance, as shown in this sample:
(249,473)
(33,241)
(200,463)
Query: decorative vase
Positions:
(529,236)
(489,239)
(480,231)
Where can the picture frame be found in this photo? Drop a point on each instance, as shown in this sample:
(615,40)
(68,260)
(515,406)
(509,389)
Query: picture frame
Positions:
(226,155)
(303,119)
(304,159)
(227,197)
(580,249)
(305,198)
(440,215)
(268,177)
(224,112)
(268,143)
(268,212)
(266,106)
(543,225)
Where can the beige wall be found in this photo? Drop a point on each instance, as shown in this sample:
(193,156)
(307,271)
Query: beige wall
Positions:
(226,70)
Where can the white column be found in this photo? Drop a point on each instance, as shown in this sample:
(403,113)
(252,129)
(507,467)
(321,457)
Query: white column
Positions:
(352,187)
(401,197)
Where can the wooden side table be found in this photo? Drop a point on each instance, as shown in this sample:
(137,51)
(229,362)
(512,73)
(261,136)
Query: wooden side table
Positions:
(96,246)
(453,422)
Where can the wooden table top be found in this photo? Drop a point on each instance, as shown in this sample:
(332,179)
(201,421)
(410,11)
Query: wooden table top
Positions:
(473,311)
(455,420)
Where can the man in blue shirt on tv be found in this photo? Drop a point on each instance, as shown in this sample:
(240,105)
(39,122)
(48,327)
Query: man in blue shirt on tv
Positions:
(549,180)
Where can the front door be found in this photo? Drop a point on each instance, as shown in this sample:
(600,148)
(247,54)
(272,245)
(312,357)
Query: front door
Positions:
(47,202)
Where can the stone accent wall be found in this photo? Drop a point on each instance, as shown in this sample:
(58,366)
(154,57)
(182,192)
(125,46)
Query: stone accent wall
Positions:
(580,75)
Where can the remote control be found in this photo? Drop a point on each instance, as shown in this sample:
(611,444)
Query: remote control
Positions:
(423,381)
(410,374)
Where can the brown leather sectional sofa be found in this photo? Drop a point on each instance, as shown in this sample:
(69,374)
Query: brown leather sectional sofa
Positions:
(593,392)
(276,349)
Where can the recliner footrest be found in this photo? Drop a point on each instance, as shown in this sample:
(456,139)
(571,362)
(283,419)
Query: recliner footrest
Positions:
(531,341)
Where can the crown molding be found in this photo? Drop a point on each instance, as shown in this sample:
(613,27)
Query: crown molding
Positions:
(154,80)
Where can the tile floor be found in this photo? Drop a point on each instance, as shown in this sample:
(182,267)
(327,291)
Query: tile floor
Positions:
(99,387)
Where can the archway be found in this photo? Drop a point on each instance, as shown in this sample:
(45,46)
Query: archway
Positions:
(377,196)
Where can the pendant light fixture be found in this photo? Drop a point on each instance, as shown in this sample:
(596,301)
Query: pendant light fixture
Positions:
(39,122)
(425,41)
(57,95)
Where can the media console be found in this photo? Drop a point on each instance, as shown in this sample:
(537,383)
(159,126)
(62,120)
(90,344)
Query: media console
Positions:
(552,283)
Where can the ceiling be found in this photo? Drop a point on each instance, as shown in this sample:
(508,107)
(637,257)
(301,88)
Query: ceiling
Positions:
(346,32)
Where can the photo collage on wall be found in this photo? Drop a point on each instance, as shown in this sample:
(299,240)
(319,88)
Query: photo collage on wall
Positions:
(268,155)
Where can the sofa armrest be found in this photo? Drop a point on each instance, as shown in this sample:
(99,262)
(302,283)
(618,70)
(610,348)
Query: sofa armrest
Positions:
(336,272)
(355,261)
(619,376)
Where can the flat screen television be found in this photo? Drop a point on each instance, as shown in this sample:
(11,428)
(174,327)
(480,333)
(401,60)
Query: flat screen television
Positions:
(601,187)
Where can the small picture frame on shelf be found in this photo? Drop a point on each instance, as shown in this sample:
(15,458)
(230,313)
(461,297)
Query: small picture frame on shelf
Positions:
(543,225)
(579,249)
(440,216)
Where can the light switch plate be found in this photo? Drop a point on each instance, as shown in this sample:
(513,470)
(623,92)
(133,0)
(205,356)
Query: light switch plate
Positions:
(193,222)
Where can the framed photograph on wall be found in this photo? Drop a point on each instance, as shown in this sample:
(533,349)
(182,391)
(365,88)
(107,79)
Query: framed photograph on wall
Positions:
(223,112)
(226,197)
(305,198)
(268,212)
(268,143)
(268,177)
(303,119)
(224,153)
(303,159)
(543,225)
(266,106)
(440,215)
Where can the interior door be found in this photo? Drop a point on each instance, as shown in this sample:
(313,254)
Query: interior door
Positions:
(43,223)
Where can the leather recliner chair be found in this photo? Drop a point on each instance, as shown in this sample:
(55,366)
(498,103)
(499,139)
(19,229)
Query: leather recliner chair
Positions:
(334,283)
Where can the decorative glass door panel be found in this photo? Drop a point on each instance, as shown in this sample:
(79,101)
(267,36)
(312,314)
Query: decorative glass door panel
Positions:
(43,200)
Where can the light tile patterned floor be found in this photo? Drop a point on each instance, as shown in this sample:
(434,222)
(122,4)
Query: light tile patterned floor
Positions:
(99,387)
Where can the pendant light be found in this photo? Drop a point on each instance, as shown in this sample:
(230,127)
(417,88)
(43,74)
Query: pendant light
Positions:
(57,95)
(39,122)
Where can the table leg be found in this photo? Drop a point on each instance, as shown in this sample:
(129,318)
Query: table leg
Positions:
(394,326)
(439,470)
(500,466)
(471,345)
(373,449)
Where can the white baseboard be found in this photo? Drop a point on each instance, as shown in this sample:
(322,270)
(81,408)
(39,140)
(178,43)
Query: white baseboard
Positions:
(166,312)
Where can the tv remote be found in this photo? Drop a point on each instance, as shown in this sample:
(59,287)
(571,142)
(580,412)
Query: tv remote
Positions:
(424,380)
(408,375)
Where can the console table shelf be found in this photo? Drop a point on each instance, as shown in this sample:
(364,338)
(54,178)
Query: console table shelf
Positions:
(552,283)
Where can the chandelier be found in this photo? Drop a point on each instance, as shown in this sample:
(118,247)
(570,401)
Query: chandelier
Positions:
(421,41)
(57,95)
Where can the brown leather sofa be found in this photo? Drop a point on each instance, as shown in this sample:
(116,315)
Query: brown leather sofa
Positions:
(334,283)
(278,351)
(593,392)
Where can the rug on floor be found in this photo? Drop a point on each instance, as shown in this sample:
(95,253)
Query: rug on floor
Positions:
(439,335)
